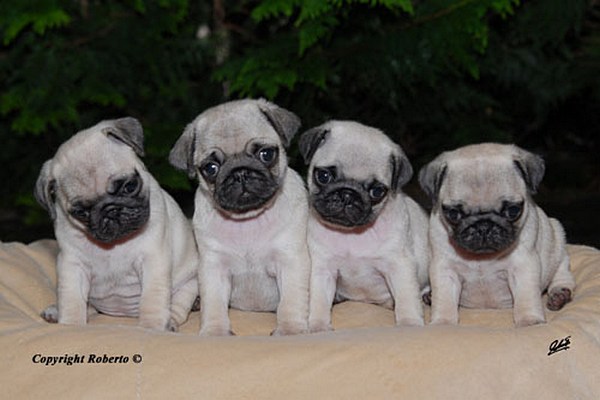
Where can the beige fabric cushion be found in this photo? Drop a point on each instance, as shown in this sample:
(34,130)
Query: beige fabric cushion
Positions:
(484,357)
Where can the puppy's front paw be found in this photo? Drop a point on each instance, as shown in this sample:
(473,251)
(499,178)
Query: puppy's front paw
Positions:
(289,328)
(444,321)
(158,324)
(529,320)
(410,322)
(50,314)
(557,298)
(320,327)
(215,331)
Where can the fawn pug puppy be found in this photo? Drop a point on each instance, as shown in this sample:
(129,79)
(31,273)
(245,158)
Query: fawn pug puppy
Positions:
(250,214)
(493,247)
(126,248)
(367,239)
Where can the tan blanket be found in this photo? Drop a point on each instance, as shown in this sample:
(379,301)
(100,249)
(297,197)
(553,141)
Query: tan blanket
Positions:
(365,358)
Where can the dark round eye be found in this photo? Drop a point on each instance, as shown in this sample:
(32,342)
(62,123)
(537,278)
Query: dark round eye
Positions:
(267,155)
(512,212)
(81,213)
(130,187)
(452,214)
(377,192)
(323,176)
(52,190)
(210,170)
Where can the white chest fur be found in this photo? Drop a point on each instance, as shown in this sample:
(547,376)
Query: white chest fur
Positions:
(358,258)
(485,284)
(248,252)
(252,252)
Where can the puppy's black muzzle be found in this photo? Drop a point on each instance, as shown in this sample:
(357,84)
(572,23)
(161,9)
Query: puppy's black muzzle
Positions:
(484,235)
(344,205)
(112,218)
(116,214)
(244,189)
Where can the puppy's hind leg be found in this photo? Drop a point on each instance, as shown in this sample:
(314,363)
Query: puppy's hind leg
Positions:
(50,313)
(561,288)
(426,295)
(182,302)
(196,305)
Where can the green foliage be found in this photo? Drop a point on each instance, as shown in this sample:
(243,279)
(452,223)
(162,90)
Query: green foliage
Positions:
(66,65)
(432,74)
(444,32)
(436,73)
(313,9)
(40,15)
(269,74)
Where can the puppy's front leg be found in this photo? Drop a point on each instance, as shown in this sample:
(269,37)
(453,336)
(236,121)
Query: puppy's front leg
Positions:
(322,291)
(401,278)
(293,275)
(73,291)
(155,302)
(215,294)
(445,293)
(524,284)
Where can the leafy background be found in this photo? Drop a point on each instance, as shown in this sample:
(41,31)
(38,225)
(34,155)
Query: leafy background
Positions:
(433,74)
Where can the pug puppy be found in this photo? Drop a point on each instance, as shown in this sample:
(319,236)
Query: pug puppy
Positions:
(126,248)
(367,239)
(250,214)
(493,247)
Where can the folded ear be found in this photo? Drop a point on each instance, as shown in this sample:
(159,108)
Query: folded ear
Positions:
(310,142)
(127,130)
(431,177)
(531,167)
(182,153)
(402,170)
(285,122)
(45,189)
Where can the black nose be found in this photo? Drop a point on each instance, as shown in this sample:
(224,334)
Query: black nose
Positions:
(483,228)
(485,236)
(244,176)
(481,231)
(347,195)
(240,175)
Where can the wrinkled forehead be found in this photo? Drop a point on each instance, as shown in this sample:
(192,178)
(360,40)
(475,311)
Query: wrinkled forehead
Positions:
(84,167)
(483,181)
(231,132)
(357,156)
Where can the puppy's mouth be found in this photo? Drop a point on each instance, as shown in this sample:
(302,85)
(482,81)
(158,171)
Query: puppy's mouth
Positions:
(345,207)
(484,236)
(110,220)
(483,231)
(244,190)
